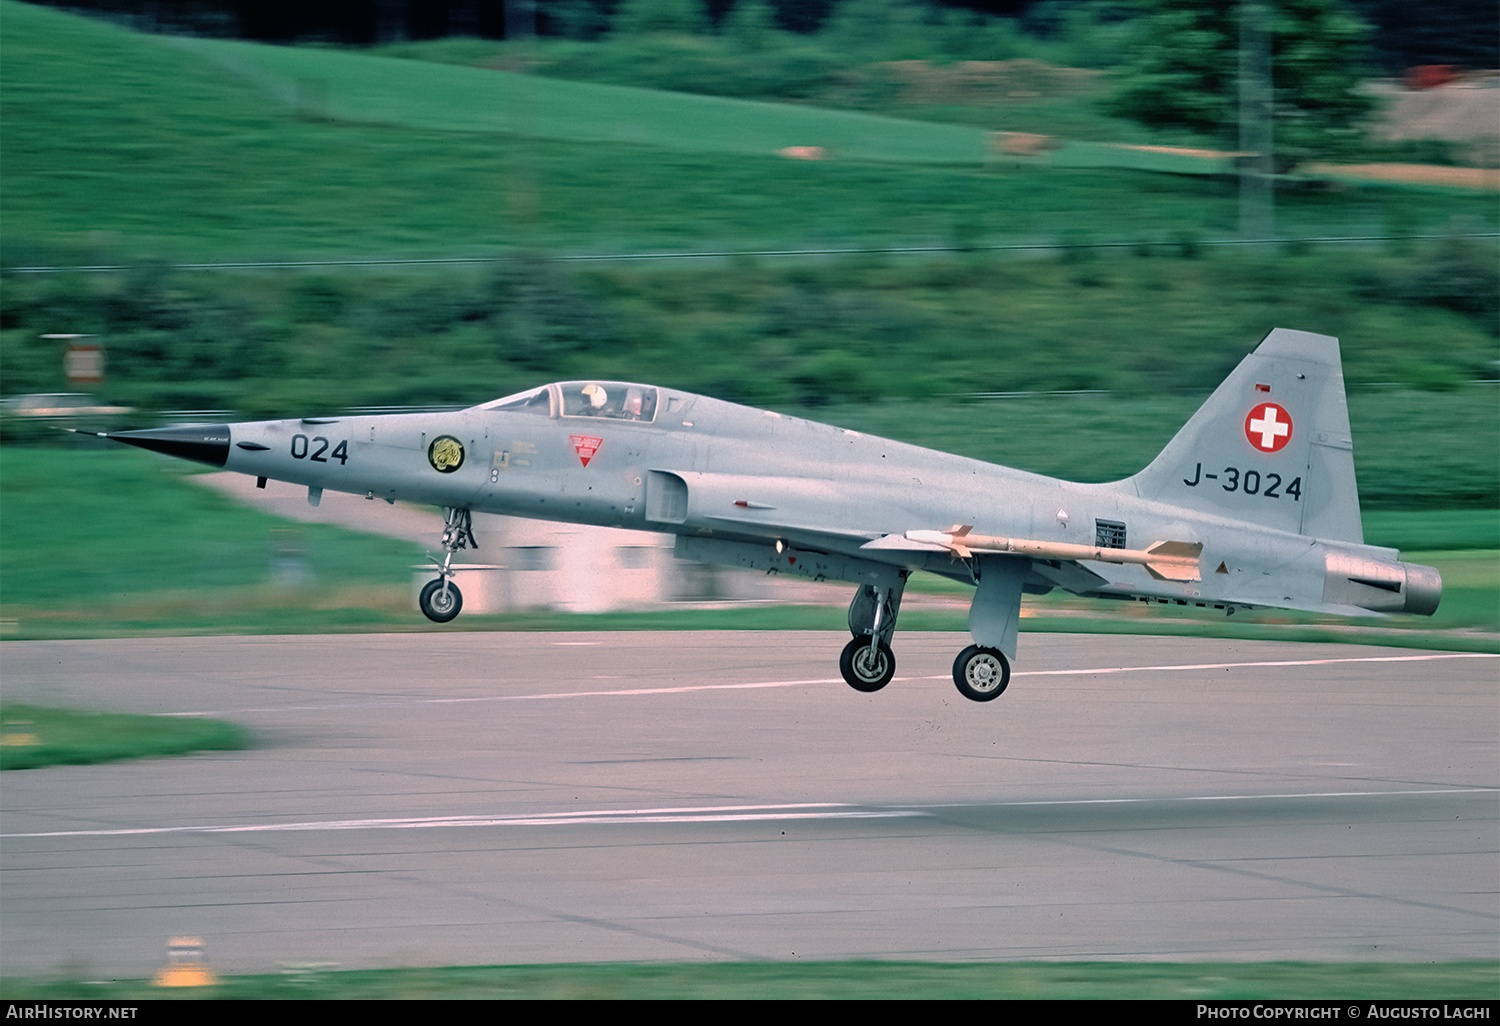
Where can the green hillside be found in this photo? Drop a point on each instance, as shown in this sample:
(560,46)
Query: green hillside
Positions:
(361,88)
(120,146)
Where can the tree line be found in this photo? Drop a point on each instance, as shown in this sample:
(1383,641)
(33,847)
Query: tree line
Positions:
(1459,32)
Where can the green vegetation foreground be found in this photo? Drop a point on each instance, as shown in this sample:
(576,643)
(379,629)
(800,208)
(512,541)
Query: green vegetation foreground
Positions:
(34,736)
(1358,981)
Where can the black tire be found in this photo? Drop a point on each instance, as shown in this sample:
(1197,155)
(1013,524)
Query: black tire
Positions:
(982,674)
(866,671)
(440,604)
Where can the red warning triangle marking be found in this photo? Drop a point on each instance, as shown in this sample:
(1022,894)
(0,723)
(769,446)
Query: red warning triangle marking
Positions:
(585,447)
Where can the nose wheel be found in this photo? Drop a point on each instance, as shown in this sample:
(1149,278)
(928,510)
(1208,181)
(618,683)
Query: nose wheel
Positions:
(441,600)
(981,674)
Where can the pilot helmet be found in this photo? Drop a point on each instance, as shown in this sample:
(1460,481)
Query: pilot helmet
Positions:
(597,396)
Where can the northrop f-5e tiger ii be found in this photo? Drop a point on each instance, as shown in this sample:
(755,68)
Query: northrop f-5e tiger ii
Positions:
(1252,504)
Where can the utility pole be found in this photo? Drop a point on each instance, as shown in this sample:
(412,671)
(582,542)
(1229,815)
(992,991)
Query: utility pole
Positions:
(520,19)
(1256,161)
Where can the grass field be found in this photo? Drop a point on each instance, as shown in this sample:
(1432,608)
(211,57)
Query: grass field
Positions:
(1455,981)
(34,736)
(356,87)
(147,550)
(360,88)
(121,146)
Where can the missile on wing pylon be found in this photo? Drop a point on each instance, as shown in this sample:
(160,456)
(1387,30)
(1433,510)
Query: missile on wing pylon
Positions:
(1165,560)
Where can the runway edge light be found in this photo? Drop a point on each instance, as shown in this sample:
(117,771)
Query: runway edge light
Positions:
(185,966)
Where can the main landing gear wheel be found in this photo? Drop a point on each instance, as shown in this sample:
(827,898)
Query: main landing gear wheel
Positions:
(867,669)
(981,674)
(441,600)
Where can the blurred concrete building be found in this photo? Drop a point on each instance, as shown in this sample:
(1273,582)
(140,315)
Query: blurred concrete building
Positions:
(1456,108)
(536,564)
(524,564)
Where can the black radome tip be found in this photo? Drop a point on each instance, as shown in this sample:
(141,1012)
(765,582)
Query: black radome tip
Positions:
(205,443)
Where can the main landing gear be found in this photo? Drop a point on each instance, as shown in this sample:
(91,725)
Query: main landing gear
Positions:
(867,663)
(982,671)
(982,674)
(441,600)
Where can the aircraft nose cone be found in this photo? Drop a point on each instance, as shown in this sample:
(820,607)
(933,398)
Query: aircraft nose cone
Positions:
(205,443)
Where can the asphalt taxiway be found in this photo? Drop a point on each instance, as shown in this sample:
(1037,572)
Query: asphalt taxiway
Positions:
(472,798)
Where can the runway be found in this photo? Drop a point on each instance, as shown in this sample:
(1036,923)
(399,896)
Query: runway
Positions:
(471,798)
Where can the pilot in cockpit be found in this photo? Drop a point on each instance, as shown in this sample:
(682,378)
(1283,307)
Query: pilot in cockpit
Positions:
(598,399)
(633,400)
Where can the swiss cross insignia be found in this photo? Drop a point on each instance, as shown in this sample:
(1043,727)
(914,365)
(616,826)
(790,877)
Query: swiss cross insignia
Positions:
(585,447)
(1268,427)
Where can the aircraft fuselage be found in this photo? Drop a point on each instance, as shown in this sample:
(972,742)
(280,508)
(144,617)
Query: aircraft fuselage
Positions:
(1252,504)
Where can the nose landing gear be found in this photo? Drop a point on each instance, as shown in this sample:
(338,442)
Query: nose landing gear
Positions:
(440,600)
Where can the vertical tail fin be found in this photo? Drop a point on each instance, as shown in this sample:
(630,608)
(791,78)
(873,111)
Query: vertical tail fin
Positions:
(1270,446)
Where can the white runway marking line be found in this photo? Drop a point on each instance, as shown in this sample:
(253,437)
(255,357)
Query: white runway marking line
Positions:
(1268,662)
(704,814)
(624,692)
(409,700)
(1248,797)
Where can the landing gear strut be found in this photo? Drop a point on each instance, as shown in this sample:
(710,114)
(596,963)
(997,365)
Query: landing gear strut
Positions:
(441,600)
(867,663)
(982,670)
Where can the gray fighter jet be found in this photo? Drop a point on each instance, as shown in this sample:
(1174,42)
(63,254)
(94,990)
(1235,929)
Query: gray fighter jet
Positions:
(1252,504)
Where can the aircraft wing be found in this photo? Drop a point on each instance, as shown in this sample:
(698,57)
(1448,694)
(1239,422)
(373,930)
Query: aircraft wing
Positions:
(1070,576)
(805,531)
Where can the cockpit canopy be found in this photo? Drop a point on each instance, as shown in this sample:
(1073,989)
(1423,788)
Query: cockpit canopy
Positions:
(609,400)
